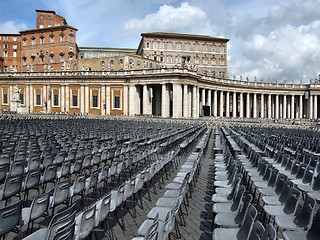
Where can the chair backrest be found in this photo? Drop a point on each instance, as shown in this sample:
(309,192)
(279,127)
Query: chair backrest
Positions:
(10,217)
(238,198)
(87,222)
(281,180)
(257,231)
(316,183)
(63,214)
(291,204)
(246,201)
(246,227)
(61,192)
(3,171)
(60,226)
(102,209)
(308,175)
(17,167)
(304,218)
(273,177)
(315,227)
(32,179)
(269,233)
(12,186)
(39,205)
(66,233)
(285,194)
(152,233)
(79,184)
(49,173)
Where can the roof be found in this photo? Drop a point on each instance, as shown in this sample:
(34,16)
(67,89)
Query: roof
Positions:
(48,11)
(102,49)
(48,28)
(184,36)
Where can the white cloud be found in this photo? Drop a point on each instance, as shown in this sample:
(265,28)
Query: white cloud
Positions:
(287,52)
(12,27)
(185,18)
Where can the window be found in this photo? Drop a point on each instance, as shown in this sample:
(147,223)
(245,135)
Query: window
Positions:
(151,65)
(5,46)
(14,54)
(61,58)
(155,58)
(41,16)
(51,39)
(196,47)
(75,66)
(102,63)
(120,61)
(24,43)
(116,102)
(41,60)
(111,62)
(81,56)
(56,100)
(24,61)
(14,46)
(155,45)
(51,59)
(5,53)
(49,25)
(38,100)
(213,48)
(222,49)
(49,17)
(74,100)
(139,62)
(179,46)
(14,39)
(41,40)
(147,45)
(161,45)
(5,98)
(188,47)
(71,39)
(169,46)
(205,48)
(61,38)
(41,26)
(22,98)
(5,38)
(33,41)
(5,68)
(130,60)
(94,101)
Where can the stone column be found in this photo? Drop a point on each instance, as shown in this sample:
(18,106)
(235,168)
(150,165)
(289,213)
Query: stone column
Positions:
(284,106)
(146,101)
(185,100)
(234,105)
(289,108)
(277,107)
(248,106)
(27,91)
(254,105)
(31,98)
(311,106)
(82,97)
(241,105)
(262,105)
(87,99)
(165,95)
(300,106)
(221,104)
(49,98)
(67,97)
(103,99)
(209,100)
(315,106)
(228,104)
(194,102)
(177,100)
(292,107)
(108,100)
(215,103)
(269,106)
(125,100)
(44,97)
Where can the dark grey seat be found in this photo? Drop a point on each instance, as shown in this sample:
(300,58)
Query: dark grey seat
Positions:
(10,218)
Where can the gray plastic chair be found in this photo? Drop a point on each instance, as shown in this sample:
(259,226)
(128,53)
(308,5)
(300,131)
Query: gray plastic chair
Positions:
(282,198)
(302,220)
(49,175)
(10,217)
(11,187)
(60,194)
(241,233)
(78,186)
(38,208)
(311,234)
(85,223)
(3,171)
(32,181)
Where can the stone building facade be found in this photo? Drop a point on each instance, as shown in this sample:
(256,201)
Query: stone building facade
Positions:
(206,54)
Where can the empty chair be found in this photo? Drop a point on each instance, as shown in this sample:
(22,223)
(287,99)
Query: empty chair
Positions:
(49,175)
(78,186)
(92,181)
(85,223)
(150,230)
(282,198)
(64,171)
(38,208)
(311,234)
(33,163)
(11,187)
(16,167)
(102,215)
(4,167)
(60,194)
(302,220)
(260,233)
(242,232)
(227,197)
(10,218)
(32,181)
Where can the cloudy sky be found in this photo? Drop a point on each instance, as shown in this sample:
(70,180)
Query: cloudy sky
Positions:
(277,39)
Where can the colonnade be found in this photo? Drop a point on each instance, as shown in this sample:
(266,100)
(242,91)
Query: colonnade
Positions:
(190,101)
